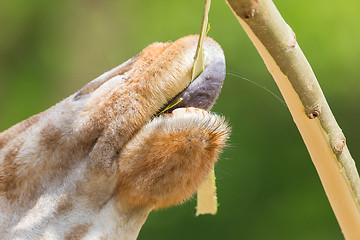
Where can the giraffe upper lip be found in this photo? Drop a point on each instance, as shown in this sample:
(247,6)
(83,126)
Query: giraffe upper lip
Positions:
(204,90)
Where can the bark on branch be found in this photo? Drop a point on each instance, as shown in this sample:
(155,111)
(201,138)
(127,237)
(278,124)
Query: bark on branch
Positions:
(277,45)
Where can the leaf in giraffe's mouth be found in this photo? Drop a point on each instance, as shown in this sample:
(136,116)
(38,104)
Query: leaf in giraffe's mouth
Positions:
(203,91)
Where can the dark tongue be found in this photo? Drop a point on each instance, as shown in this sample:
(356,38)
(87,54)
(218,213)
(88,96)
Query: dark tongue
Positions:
(204,90)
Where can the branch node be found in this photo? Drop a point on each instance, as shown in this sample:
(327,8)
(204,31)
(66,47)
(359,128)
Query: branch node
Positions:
(339,144)
(248,13)
(313,112)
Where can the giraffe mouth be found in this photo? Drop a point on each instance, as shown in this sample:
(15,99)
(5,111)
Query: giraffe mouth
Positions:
(202,92)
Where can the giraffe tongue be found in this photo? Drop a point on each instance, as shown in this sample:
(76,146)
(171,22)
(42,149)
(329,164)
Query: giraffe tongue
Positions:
(204,90)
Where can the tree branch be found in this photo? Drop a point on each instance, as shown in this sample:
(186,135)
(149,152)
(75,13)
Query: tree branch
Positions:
(277,45)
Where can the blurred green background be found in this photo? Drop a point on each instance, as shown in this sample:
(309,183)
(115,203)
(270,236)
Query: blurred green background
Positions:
(267,185)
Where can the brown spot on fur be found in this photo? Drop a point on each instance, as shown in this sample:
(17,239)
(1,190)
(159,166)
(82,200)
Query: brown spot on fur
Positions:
(50,138)
(12,154)
(2,142)
(78,232)
(8,170)
(64,206)
(68,147)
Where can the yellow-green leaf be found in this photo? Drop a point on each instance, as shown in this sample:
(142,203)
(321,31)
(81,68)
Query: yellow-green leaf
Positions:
(199,56)
(206,194)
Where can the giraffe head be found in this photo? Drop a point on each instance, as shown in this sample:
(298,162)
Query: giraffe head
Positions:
(96,164)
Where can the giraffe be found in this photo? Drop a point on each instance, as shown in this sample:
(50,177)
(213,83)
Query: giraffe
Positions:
(97,163)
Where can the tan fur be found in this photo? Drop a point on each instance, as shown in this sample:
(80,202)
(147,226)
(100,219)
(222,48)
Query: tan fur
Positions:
(180,151)
(94,165)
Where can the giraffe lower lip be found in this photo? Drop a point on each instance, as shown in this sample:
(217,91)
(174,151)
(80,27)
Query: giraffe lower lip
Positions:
(204,90)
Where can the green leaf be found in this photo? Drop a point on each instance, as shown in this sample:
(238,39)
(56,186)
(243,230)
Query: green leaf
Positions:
(199,56)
